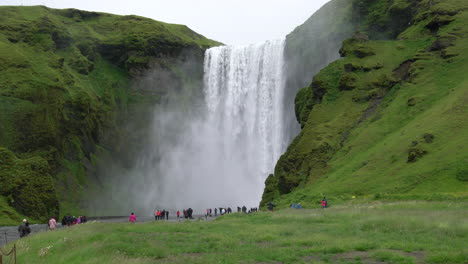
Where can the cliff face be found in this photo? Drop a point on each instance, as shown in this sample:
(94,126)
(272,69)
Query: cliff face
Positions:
(388,119)
(66,77)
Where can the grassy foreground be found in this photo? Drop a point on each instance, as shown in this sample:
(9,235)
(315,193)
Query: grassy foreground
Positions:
(375,232)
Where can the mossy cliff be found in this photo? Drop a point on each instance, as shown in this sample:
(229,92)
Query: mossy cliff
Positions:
(388,120)
(68,78)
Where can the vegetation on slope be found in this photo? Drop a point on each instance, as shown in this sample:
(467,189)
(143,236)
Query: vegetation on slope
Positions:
(389,119)
(65,76)
(399,233)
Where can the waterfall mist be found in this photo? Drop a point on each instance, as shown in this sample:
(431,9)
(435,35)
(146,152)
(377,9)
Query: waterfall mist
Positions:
(216,151)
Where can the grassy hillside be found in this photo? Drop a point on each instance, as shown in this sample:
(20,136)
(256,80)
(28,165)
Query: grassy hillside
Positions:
(398,233)
(65,76)
(389,119)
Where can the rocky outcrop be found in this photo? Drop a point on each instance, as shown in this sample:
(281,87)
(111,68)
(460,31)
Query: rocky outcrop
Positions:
(68,79)
(360,112)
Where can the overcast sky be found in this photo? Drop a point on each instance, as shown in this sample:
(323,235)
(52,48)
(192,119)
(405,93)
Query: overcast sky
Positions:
(236,22)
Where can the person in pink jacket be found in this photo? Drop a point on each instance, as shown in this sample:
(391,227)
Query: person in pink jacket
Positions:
(132,218)
(52,223)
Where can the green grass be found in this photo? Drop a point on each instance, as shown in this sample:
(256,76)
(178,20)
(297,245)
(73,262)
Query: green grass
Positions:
(358,141)
(401,232)
(68,78)
(8,215)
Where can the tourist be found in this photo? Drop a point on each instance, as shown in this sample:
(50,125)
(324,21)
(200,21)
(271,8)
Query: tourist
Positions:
(178,213)
(52,223)
(132,218)
(189,213)
(167,215)
(24,229)
(270,206)
(324,203)
(299,206)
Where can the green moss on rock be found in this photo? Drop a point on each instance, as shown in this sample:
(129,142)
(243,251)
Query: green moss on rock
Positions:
(67,76)
(28,185)
(368,114)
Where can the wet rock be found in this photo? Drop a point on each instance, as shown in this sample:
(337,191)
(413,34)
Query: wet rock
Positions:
(350,67)
(439,21)
(428,138)
(412,101)
(363,51)
(347,82)
(415,153)
(462,175)
(442,43)
(403,71)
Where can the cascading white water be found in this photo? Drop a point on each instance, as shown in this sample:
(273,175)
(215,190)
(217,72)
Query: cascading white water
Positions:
(244,93)
(219,153)
(224,157)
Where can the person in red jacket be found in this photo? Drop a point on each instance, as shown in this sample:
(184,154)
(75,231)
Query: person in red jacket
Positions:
(178,213)
(324,203)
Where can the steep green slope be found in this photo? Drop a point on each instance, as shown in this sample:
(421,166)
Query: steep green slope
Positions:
(389,119)
(312,46)
(66,74)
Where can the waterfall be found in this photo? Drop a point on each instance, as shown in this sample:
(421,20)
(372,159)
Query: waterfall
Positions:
(219,153)
(224,157)
(243,93)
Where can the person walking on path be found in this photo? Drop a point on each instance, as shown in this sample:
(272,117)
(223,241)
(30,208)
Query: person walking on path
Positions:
(24,229)
(132,218)
(324,203)
(178,213)
(52,223)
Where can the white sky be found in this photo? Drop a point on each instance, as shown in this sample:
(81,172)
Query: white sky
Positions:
(235,22)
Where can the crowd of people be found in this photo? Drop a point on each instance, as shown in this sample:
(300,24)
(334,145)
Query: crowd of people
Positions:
(188,213)
(160,215)
(323,204)
(69,220)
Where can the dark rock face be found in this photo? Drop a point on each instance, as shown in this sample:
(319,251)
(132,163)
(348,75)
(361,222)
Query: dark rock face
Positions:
(381,63)
(362,52)
(28,185)
(415,153)
(70,91)
(442,43)
(347,82)
(439,21)
(429,138)
(403,71)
